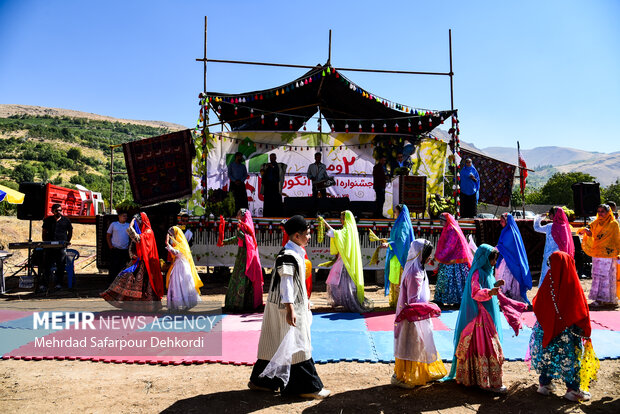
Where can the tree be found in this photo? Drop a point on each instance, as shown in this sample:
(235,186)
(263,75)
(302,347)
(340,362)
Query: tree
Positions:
(77,179)
(23,173)
(74,153)
(612,193)
(558,191)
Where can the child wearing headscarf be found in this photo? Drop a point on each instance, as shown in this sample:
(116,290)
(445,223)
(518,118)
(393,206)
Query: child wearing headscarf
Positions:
(345,283)
(401,236)
(513,267)
(417,360)
(139,286)
(245,288)
(558,237)
(182,280)
(560,345)
(455,258)
(478,356)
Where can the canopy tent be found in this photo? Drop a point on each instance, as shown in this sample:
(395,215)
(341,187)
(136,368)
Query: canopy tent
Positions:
(363,126)
(10,195)
(344,105)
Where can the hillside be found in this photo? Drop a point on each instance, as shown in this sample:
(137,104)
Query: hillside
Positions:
(549,160)
(8,110)
(67,147)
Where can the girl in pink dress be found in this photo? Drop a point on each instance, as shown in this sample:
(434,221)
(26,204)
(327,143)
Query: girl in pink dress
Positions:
(478,356)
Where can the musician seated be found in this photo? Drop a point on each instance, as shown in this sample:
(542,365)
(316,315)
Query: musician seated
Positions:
(55,228)
(317,173)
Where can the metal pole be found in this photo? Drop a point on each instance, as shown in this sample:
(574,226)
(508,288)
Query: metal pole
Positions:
(286,65)
(457,189)
(520,177)
(204,123)
(111,176)
(204,88)
(329,55)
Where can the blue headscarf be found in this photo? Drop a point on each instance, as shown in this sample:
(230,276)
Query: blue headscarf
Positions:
(136,227)
(512,250)
(469,186)
(401,237)
(469,306)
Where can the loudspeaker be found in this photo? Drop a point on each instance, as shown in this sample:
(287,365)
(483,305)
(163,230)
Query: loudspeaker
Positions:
(586,197)
(332,207)
(306,206)
(362,209)
(33,207)
(412,192)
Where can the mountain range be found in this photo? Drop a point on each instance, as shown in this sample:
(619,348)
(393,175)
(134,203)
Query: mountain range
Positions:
(548,160)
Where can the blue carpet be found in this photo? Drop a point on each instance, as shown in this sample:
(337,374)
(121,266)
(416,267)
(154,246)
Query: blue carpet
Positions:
(606,343)
(444,342)
(341,322)
(515,347)
(336,346)
(384,345)
(11,339)
(449,318)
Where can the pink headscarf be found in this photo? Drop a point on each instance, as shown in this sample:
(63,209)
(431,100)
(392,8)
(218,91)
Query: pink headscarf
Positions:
(452,246)
(560,230)
(254,270)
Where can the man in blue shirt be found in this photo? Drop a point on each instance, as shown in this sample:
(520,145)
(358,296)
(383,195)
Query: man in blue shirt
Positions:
(237,174)
(470,187)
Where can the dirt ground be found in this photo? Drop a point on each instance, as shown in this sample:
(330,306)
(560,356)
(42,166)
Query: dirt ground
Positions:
(93,387)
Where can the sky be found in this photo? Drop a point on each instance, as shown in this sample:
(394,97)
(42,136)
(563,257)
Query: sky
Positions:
(541,72)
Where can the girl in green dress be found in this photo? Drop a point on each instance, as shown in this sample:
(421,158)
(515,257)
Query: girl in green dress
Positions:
(245,288)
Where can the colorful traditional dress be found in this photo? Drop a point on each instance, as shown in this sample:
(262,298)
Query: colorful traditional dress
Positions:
(513,267)
(417,359)
(560,347)
(287,286)
(245,288)
(558,237)
(401,236)
(182,279)
(455,258)
(139,286)
(478,356)
(604,247)
(345,283)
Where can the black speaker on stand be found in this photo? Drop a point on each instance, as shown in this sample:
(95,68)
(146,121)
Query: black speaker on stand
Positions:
(33,208)
(586,197)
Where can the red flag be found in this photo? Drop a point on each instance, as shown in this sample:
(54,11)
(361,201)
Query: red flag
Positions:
(522,173)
